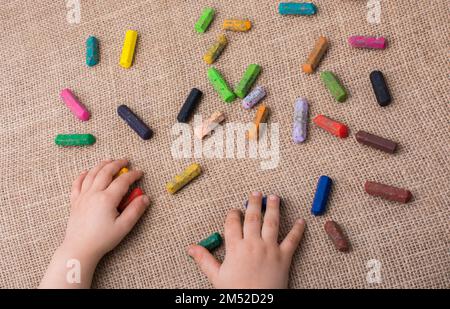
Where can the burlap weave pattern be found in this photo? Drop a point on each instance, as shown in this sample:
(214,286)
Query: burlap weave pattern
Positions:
(42,53)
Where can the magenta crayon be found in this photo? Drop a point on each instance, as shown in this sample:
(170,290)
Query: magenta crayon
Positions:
(358,41)
(74,105)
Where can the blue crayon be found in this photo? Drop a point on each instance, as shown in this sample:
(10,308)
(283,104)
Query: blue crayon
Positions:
(320,199)
(92,51)
(134,122)
(297,8)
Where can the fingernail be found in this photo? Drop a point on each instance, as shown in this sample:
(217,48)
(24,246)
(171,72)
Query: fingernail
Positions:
(146,200)
(256,194)
(191,250)
(273,198)
(301,221)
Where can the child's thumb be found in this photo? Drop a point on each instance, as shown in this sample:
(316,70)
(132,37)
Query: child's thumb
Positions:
(207,263)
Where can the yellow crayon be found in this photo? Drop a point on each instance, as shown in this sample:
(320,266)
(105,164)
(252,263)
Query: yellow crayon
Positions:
(129,46)
(214,52)
(122,171)
(179,181)
(237,25)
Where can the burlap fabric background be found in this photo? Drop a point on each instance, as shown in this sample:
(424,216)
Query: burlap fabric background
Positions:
(41,54)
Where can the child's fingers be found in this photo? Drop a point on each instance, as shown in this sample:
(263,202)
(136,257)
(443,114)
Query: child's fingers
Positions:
(252,221)
(131,215)
(207,263)
(87,183)
(120,186)
(271,223)
(76,187)
(107,173)
(233,226)
(292,240)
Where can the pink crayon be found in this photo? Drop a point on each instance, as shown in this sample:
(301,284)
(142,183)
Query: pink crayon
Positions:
(367,42)
(74,105)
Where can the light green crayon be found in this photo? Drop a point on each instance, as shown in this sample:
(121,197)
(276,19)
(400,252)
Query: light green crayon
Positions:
(247,81)
(220,85)
(205,20)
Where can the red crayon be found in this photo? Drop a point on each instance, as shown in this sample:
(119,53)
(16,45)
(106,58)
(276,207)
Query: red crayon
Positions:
(336,128)
(134,194)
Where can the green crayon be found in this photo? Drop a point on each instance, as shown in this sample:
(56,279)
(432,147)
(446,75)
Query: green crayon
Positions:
(212,242)
(334,86)
(74,139)
(205,20)
(247,81)
(220,85)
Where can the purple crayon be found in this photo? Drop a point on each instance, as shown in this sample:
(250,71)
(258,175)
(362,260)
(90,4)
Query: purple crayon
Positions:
(300,121)
(254,97)
(358,41)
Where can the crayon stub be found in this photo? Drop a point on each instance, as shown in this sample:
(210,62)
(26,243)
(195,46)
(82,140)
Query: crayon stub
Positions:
(333,127)
(216,50)
(261,117)
(359,41)
(220,85)
(209,125)
(181,180)
(212,242)
(189,105)
(334,86)
(337,236)
(376,142)
(254,97)
(124,170)
(316,55)
(134,194)
(380,88)
(128,49)
(75,106)
(74,139)
(299,131)
(237,25)
(319,205)
(205,20)
(247,81)
(92,51)
(134,122)
(297,8)
(388,192)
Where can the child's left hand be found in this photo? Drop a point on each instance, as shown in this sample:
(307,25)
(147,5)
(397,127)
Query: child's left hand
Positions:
(94,200)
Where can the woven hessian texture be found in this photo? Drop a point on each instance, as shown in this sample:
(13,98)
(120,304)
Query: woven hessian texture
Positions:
(42,53)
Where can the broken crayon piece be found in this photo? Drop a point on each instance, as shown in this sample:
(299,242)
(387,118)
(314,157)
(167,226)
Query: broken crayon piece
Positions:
(181,180)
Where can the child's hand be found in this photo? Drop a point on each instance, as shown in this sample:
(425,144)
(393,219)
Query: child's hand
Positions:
(253,259)
(95,225)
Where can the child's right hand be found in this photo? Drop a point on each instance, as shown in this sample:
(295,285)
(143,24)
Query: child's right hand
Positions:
(253,259)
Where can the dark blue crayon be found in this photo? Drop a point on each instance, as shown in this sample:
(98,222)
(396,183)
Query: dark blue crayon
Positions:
(380,88)
(319,205)
(134,122)
(189,105)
